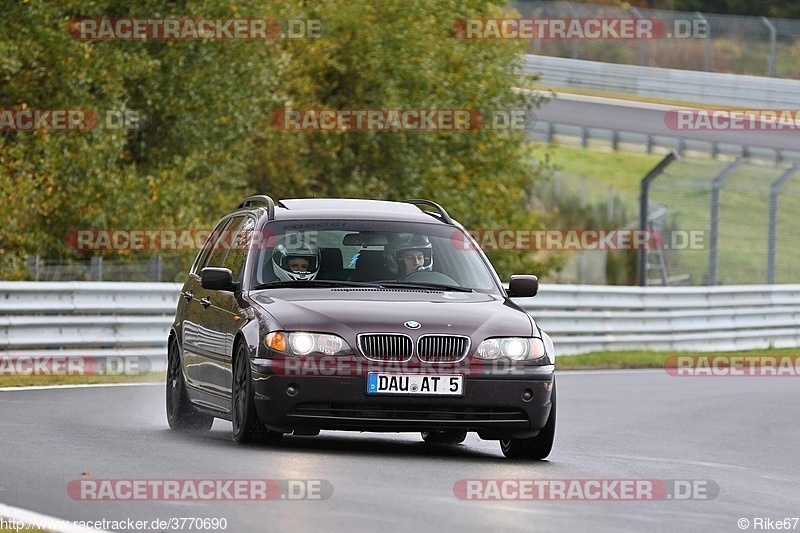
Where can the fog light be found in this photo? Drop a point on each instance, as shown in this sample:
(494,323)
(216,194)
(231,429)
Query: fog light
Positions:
(292,390)
(527,395)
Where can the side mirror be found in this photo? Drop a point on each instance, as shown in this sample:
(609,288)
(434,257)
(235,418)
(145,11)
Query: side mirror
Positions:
(216,279)
(523,287)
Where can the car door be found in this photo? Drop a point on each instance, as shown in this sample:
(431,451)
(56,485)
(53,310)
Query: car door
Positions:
(220,316)
(199,342)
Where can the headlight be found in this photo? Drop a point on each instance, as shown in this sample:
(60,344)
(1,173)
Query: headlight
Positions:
(515,348)
(302,343)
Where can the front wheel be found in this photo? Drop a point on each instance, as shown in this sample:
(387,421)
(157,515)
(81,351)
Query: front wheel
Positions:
(247,427)
(537,447)
(180,413)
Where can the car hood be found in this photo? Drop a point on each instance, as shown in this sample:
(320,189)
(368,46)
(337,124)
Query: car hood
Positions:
(348,312)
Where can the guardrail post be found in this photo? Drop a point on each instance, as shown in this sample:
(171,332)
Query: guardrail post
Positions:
(649,145)
(642,42)
(615,140)
(584,137)
(707,61)
(774,190)
(33,266)
(155,268)
(716,186)
(772,48)
(551,131)
(96,268)
(644,198)
(576,15)
(611,202)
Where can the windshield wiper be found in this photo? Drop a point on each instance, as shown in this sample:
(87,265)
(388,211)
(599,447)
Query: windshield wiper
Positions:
(420,285)
(315,283)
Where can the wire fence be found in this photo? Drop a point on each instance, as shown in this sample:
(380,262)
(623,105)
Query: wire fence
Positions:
(719,222)
(157,268)
(746,216)
(755,46)
(722,222)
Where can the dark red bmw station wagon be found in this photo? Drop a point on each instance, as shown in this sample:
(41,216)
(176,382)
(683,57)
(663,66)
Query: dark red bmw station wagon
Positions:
(359,315)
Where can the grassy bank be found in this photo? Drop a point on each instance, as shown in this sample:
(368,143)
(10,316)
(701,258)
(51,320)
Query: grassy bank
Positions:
(647,359)
(685,189)
(32,381)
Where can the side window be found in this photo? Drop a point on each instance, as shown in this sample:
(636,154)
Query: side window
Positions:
(239,238)
(223,244)
(209,246)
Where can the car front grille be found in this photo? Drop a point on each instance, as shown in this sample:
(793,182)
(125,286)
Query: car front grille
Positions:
(385,346)
(409,412)
(442,348)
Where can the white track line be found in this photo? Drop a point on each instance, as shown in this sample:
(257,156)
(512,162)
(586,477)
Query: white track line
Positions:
(621,103)
(48,523)
(82,386)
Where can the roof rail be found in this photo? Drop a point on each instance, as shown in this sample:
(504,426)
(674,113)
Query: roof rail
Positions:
(259,199)
(442,213)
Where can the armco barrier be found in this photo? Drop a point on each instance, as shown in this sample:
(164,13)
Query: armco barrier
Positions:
(686,85)
(86,319)
(132,319)
(585,318)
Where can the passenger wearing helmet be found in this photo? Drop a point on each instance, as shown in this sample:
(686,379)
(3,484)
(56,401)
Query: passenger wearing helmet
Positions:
(296,259)
(413,255)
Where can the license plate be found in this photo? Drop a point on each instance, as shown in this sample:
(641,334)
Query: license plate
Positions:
(415,384)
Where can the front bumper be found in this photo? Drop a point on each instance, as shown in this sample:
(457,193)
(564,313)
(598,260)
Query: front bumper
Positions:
(495,406)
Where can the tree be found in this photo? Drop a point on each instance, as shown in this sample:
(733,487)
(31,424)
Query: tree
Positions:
(184,167)
(206,139)
(404,55)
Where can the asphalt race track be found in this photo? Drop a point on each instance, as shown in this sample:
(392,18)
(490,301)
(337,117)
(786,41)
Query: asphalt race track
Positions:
(737,433)
(649,118)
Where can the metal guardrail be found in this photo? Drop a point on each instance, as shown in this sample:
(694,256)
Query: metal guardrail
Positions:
(127,320)
(547,131)
(583,318)
(686,85)
(101,321)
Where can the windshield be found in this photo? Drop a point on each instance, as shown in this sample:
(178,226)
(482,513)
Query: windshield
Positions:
(369,253)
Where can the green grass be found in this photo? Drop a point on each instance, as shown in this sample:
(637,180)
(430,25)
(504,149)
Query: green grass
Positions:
(629,97)
(623,171)
(28,381)
(645,359)
(685,189)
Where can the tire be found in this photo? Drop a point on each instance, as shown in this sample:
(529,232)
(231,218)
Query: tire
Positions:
(247,427)
(445,436)
(538,447)
(181,415)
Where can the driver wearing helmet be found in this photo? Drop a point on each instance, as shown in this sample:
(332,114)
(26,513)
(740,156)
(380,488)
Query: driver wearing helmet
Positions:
(296,259)
(413,255)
